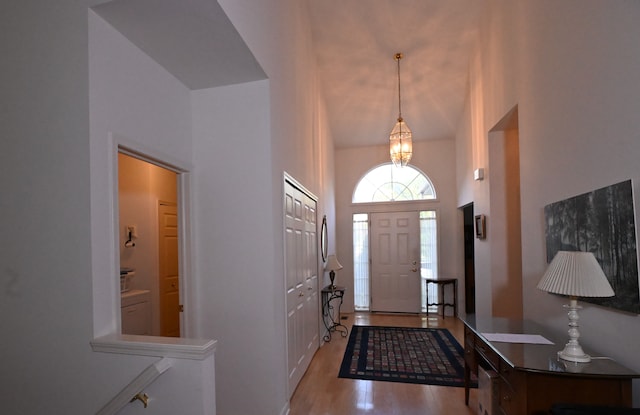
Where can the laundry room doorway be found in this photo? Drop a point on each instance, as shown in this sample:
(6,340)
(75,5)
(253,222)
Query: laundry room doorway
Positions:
(149,237)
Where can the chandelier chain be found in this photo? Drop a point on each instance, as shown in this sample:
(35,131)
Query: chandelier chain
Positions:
(398,57)
(400,143)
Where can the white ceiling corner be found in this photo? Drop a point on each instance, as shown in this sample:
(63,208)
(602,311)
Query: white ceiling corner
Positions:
(192,39)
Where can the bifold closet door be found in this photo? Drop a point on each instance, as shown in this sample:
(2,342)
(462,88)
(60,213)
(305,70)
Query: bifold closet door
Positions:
(301,281)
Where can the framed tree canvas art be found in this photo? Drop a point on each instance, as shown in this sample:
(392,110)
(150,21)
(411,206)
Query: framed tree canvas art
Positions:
(601,222)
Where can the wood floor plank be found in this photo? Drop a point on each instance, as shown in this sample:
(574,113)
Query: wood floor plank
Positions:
(321,392)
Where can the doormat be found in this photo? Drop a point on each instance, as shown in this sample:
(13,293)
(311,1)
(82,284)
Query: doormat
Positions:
(404,354)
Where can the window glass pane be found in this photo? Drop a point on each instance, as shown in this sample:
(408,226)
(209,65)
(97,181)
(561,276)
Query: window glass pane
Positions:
(382,193)
(361,260)
(388,183)
(364,190)
(428,254)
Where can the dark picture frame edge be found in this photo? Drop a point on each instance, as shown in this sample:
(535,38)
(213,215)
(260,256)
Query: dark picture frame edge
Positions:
(481,226)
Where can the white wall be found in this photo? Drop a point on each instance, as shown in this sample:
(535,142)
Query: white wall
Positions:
(237,209)
(136,101)
(47,296)
(45,284)
(238,293)
(573,74)
(59,277)
(275,126)
(434,158)
(296,141)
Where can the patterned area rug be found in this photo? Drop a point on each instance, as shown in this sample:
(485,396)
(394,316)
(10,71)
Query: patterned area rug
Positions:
(404,354)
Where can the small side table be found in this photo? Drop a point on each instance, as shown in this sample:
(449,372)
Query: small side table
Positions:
(331,303)
(441,283)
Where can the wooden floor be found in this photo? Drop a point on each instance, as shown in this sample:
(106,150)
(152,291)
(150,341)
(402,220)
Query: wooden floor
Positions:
(321,392)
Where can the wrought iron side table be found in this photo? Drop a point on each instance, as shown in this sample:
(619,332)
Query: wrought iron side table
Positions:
(331,303)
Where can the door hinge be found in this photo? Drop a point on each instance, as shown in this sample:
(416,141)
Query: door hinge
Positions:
(181,308)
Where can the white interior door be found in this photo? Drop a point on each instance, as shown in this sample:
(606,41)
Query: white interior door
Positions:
(301,269)
(168,270)
(395,262)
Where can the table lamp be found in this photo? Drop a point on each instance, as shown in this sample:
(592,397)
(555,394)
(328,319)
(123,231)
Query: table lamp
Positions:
(332,266)
(576,274)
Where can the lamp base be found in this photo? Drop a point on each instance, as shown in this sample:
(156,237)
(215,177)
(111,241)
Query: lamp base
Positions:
(332,276)
(574,354)
(572,350)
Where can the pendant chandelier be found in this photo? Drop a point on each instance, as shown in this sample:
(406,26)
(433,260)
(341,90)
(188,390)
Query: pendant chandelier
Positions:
(400,143)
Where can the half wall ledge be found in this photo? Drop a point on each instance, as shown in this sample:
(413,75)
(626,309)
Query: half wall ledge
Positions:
(175,347)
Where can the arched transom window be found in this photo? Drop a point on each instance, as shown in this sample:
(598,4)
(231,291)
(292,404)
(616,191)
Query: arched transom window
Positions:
(388,183)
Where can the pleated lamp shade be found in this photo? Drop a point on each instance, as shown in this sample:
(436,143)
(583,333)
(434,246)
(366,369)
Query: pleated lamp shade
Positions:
(332,264)
(576,274)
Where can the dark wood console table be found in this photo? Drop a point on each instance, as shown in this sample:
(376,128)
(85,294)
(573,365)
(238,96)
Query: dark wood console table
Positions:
(531,378)
(441,283)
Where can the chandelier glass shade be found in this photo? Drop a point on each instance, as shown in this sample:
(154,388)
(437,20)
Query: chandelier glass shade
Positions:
(400,139)
(400,144)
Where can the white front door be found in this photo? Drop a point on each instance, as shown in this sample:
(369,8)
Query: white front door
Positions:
(395,262)
(301,269)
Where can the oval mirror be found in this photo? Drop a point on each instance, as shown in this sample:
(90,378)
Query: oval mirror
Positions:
(324,243)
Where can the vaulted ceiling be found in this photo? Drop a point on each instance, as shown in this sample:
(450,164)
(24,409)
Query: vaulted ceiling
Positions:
(355,41)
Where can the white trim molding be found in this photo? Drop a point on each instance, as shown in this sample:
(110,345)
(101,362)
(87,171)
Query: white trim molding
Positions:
(175,347)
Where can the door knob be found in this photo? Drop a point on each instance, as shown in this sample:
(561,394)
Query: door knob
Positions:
(414,269)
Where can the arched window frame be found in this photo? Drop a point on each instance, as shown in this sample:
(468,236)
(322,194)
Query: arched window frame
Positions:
(396,190)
